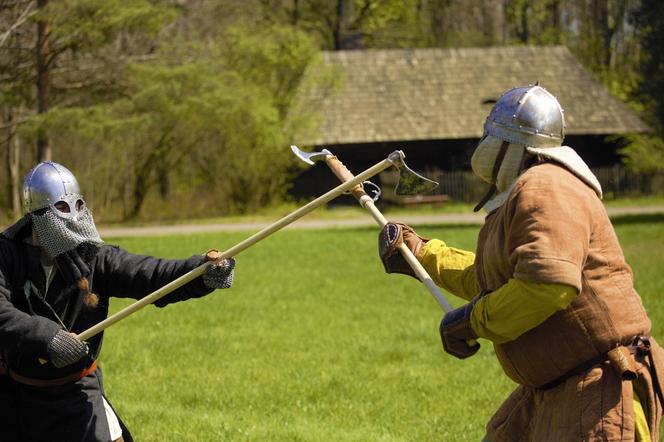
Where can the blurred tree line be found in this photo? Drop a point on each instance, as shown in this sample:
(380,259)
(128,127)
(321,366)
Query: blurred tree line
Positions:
(184,108)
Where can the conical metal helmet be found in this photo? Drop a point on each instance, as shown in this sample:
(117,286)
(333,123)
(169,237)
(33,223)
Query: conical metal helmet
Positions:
(527,115)
(46,184)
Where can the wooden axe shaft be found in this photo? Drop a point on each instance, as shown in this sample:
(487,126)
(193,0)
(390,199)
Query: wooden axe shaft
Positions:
(342,172)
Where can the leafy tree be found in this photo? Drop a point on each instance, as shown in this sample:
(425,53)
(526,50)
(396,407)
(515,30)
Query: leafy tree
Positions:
(354,24)
(649,19)
(217,120)
(195,103)
(80,46)
(645,153)
(15,93)
(74,48)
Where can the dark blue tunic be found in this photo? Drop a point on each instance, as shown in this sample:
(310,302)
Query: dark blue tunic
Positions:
(30,316)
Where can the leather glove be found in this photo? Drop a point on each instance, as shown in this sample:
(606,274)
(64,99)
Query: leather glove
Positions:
(219,274)
(65,349)
(455,332)
(72,266)
(390,238)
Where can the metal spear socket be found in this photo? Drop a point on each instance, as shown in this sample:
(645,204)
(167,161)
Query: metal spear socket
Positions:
(409,183)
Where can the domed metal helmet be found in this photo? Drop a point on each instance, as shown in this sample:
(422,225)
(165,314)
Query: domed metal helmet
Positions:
(527,115)
(48,183)
(52,200)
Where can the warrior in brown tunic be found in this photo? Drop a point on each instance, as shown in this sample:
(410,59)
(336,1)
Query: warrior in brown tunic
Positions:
(548,285)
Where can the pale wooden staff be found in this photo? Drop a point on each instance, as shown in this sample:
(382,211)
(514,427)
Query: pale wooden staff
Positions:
(394,158)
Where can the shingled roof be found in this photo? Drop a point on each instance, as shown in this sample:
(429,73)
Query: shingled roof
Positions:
(431,94)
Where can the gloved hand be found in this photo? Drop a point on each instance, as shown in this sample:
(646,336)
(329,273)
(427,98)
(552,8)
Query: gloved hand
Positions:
(455,332)
(389,240)
(65,349)
(219,274)
(72,267)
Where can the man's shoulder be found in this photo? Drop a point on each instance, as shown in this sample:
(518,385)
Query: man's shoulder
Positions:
(7,243)
(551,177)
(108,250)
(546,173)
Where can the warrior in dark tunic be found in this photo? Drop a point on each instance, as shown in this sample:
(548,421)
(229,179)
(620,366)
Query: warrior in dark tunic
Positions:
(56,279)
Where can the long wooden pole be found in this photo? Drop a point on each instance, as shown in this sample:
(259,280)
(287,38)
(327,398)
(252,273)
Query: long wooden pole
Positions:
(198,271)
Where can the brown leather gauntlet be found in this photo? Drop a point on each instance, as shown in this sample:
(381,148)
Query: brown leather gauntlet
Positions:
(390,239)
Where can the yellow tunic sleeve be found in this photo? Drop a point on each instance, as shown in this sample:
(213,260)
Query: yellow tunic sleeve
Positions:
(450,268)
(504,314)
(516,307)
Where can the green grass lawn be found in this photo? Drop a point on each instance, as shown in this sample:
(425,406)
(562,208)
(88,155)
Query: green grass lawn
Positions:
(314,342)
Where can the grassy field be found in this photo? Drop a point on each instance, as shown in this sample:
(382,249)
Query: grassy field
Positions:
(314,342)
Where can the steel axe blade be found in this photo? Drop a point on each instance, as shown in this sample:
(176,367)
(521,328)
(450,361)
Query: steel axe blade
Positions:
(409,183)
(309,157)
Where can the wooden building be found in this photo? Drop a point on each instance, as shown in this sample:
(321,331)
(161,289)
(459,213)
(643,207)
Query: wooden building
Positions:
(432,103)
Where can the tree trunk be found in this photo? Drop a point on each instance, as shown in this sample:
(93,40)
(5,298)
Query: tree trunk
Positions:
(13,161)
(524,34)
(44,152)
(164,184)
(295,16)
(339,25)
(12,169)
(140,191)
(147,176)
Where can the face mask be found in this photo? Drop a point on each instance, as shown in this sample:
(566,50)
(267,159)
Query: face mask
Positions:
(59,231)
(484,160)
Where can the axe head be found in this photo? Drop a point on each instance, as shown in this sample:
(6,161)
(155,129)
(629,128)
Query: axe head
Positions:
(410,182)
(310,157)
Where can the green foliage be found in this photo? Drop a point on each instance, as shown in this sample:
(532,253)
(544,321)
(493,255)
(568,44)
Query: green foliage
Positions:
(392,24)
(156,104)
(275,58)
(650,21)
(219,121)
(644,153)
(86,24)
(534,22)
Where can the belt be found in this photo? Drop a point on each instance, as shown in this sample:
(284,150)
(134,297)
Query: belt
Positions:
(52,382)
(641,349)
(622,359)
(581,368)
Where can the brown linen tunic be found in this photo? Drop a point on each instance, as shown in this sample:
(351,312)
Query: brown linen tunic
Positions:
(554,229)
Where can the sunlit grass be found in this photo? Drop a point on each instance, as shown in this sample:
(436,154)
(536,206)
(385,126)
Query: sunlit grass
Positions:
(314,342)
